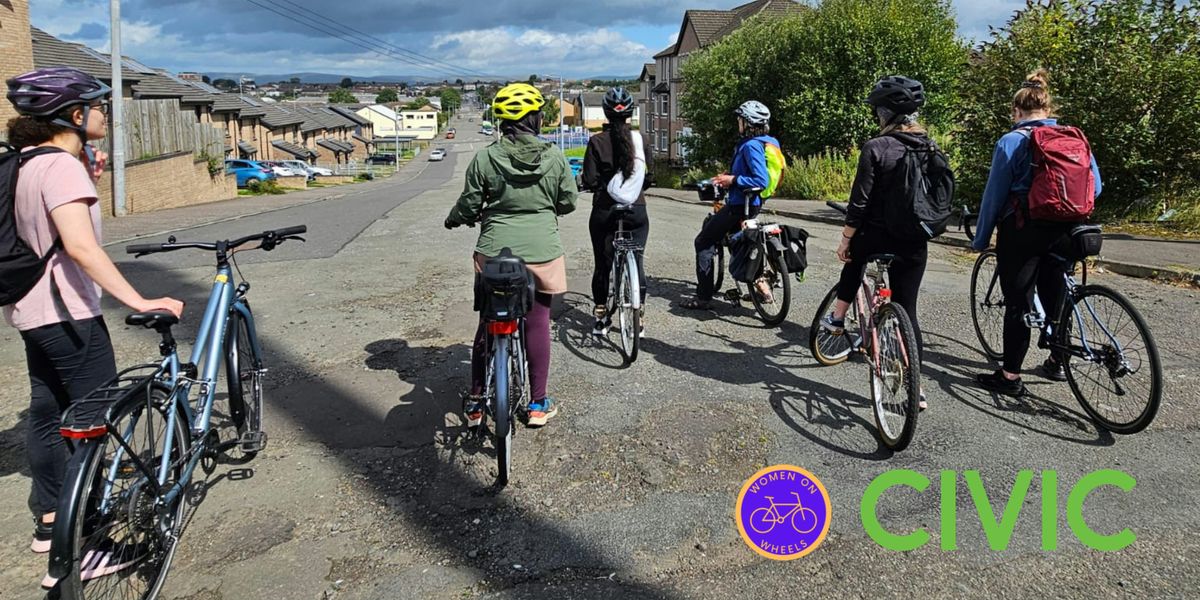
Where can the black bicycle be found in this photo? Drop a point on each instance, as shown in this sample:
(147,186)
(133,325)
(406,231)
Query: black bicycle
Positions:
(1106,348)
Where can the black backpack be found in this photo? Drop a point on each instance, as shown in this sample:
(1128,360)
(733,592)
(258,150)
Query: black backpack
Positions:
(925,207)
(20,267)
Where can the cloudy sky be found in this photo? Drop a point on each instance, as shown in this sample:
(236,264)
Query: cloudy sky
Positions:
(470,38)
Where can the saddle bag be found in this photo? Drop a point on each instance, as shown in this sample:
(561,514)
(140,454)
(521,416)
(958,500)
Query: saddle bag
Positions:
(1085,241)
(504,288)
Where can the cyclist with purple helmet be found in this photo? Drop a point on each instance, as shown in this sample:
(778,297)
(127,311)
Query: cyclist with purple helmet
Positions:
(67,345)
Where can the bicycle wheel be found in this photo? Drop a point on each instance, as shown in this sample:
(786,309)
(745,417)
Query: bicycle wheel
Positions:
(895,377)
(829,349)
(501,371)
(121,539)
(1111,360)
(629,317)
(773,309)
(243,374)
(987,305)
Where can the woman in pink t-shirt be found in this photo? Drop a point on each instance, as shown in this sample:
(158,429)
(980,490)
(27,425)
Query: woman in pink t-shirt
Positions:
(66,341)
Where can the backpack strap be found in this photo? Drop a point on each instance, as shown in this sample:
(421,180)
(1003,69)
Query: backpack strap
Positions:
(25,157)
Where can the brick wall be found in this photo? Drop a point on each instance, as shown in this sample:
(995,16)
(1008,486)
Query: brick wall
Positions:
(170,181)
(16,48)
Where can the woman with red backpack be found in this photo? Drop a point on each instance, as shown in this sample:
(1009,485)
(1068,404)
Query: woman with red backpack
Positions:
(57,214)
(1033,219)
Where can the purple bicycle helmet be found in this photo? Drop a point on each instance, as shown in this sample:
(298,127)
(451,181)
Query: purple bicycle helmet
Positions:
(46,92)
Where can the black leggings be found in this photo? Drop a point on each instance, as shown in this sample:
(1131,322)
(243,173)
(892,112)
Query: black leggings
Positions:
(1024,263)
(66,361)
(904,274)
(603,225)
(723,222)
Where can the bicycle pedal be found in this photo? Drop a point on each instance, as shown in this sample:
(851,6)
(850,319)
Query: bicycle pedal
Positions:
(253,441)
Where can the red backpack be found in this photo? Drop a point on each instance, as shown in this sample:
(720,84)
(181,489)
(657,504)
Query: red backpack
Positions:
(1063,188)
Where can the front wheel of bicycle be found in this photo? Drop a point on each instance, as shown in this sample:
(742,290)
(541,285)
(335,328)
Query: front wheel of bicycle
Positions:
(1111,360)
(123,533)
(827,348)
(895,377)
(987,305)
(244,378)
(628,316)
(772,306)
(502,371)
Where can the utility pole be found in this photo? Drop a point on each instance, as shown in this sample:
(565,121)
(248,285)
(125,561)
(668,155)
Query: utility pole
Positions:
(396,134)
(117,141)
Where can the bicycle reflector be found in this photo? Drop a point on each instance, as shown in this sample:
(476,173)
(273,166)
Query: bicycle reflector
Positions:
(72,433)
(885,293)
(502,327)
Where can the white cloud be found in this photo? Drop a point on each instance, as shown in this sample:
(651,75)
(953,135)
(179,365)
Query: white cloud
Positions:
(507,51)
(674,38)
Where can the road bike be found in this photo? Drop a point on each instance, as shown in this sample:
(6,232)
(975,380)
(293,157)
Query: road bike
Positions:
(624,286)
(139,439)
(763,520)
(882,332)
(1107,351)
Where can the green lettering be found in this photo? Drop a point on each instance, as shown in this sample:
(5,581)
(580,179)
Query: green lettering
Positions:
(949,510)
(1079,493)
(998,534)
(869,506)
(1049,511)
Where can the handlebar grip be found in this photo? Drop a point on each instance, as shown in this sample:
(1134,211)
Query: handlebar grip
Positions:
(143,248)
(838,206)
(286,231)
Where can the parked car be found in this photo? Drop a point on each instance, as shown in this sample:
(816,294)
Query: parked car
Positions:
(381,159)
(248,172)
(280,170)
(313,171)
(450,134)
(437,154)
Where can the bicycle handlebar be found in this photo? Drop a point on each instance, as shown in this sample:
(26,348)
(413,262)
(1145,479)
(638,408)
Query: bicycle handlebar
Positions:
(270,239)
(838,206)
(966,217)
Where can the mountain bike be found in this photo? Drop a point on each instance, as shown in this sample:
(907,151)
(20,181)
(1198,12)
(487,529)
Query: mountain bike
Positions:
(1104,345)
(139,439)
(504,301)
(624,286)
(882,332)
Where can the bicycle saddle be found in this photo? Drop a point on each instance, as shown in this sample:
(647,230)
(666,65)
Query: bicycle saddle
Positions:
(883,258)
(152,320)
(622,208)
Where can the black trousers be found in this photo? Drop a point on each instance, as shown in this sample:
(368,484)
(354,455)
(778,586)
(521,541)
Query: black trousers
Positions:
(725,221)
(904,274)
(1025,266)
(66,361)
(603,227)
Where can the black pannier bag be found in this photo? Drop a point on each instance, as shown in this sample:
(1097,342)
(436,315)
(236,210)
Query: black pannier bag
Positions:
(795,249)
(504,288)
(746,256)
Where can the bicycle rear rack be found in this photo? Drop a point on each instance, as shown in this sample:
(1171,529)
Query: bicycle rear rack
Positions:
(91,416)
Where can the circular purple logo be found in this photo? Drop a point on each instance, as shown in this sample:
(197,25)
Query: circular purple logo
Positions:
(783,512)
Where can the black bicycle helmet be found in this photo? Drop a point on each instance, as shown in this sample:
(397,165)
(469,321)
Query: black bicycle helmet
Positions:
(901,95)
(618,101)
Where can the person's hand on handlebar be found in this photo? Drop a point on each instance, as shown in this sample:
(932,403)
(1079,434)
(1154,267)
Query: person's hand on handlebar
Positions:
(724,180)
(164,304)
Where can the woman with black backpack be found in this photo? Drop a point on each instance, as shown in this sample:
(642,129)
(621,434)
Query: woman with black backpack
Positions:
(1024,244)
(57,211)
(878,183)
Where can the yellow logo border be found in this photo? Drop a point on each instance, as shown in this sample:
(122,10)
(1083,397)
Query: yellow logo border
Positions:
(737,512)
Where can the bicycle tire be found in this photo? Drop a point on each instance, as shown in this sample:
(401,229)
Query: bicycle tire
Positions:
(896,438)
(776,273)
(1147,359)
(991,331)
(91,456)
(629,317)
(243,374)
(828,349)
(503,415)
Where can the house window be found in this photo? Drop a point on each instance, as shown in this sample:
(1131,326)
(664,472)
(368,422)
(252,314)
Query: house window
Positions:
(662,140)
(664,105)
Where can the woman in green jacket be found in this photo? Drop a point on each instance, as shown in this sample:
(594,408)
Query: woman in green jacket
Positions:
(517,188)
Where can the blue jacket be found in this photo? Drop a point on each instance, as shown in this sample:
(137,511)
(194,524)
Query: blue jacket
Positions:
(1011,174)
(749,168)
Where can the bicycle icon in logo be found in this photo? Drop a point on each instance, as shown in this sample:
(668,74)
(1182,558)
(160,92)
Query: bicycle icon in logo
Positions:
(763,520)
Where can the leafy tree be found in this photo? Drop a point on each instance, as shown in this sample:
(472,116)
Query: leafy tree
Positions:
(342,96)
(451,99)
(844,47)
(387,95)
(534,79)
(206,79)
(458,82)
(417,103)
(550,111)
(346,83)
(294,81)
(1125,71)
(225,84)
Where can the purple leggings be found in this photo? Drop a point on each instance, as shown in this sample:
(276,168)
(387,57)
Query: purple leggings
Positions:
(537,349)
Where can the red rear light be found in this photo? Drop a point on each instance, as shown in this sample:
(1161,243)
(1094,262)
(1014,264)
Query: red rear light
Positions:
(502,327)
(885,293)
(83,434)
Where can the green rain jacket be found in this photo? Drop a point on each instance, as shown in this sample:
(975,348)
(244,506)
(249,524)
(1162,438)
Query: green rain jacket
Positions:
(517,189)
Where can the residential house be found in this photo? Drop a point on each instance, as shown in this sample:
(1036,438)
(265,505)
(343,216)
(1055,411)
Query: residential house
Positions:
(283,131)
(422,121)
(362,132)
(384,120)
(589,107)
(699,29)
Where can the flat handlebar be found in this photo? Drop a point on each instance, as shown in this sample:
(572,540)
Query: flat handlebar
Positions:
(269,240)
(838,206)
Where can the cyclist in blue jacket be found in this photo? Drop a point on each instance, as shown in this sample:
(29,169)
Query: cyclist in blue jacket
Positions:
(749,170)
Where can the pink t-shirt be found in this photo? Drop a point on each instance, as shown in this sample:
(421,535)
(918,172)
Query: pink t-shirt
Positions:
(65,292)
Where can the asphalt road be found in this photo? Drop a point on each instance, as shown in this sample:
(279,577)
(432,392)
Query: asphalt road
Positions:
(367,489)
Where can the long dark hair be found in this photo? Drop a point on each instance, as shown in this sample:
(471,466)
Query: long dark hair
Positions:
(624,154)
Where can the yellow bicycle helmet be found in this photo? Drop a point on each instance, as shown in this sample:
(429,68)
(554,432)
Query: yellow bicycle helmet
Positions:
(516,100)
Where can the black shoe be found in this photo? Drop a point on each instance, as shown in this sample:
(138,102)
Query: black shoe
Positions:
(1053,370)
(998,383)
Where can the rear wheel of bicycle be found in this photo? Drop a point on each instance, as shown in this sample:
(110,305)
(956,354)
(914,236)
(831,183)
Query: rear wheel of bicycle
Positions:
(244,378)
(827,348)
(1113,367)
(629,317)
(122,538)
(501,405)
(987,305)
(772,307)
(895,377)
